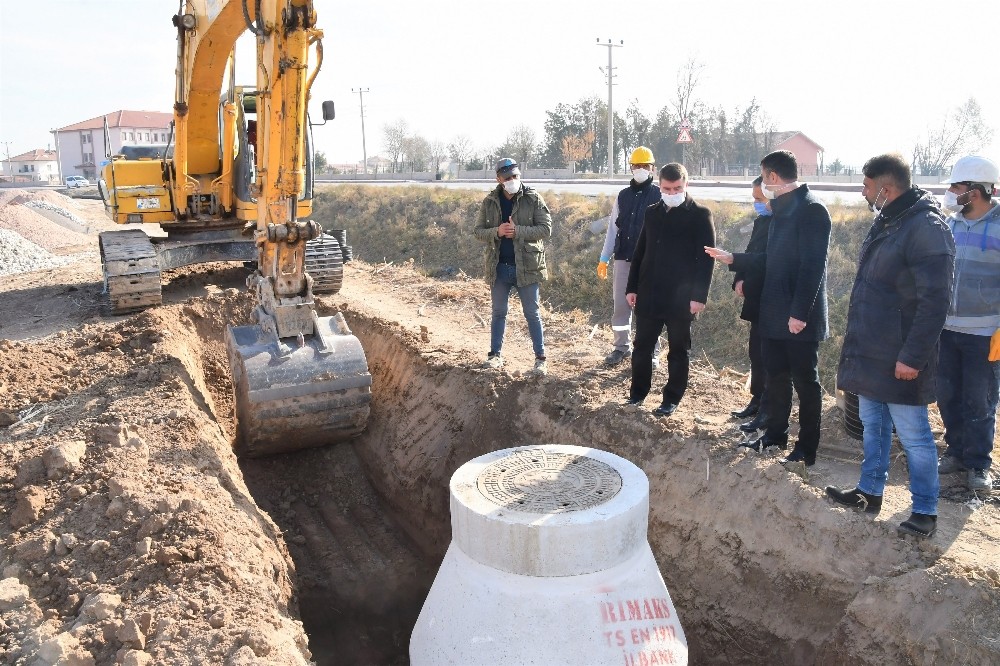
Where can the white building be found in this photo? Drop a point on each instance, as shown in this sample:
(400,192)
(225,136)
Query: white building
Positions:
(81,146)
(35,165)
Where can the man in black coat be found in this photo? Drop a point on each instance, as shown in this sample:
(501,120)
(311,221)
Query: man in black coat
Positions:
(793,308)
(748,285)
(668,285)
(898,307)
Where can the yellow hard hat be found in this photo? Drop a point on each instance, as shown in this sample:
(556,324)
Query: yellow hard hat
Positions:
(642,155)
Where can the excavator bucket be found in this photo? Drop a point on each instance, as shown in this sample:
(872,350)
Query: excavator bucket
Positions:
(299,396)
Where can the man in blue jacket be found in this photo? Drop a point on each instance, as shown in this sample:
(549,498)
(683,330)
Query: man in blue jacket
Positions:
(793,308)
(897,310)
(968,383)
(624,225)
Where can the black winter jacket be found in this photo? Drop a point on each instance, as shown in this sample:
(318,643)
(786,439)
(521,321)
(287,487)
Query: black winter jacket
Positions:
(899,302)
(795,267)
(753,275)
(632,204)
(669,267)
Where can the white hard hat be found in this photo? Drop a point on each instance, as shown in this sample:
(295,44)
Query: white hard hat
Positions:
(974,169)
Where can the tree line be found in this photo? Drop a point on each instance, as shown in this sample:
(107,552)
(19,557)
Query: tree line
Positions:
(728,140)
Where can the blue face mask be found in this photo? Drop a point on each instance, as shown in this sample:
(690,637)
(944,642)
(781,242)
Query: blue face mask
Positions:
(761,208)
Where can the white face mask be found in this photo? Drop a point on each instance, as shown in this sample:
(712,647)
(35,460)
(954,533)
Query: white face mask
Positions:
(512,185)
(951,204)
(672,200)
(875,206)
(641,175)
(770,194)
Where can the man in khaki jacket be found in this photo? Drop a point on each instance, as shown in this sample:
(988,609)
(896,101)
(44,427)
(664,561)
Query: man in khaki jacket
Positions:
(514,223)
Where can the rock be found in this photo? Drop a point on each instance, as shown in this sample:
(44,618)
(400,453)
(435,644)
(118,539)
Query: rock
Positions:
(257,641)
(242,657)
(62,650)
(7,419)
(78,491)
(115,488)
(116,508)
(218,619)
(101,606)
(143,547)
(137,658)
(28,506)
(167,556)
(13,571)
(131,635)
(29,472)
(69,540)
(99,547)
(13,594)
(61,459)
(36,549)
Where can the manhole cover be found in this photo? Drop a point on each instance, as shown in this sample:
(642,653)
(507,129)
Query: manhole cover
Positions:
(539,481)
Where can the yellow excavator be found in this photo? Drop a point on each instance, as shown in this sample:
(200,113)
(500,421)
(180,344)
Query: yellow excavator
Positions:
(235,183)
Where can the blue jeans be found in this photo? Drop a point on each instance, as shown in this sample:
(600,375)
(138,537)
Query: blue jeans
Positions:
(968,384)
(914,433)
(507,280)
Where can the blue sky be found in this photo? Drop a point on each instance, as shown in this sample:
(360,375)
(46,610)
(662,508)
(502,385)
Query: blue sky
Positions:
(860,78)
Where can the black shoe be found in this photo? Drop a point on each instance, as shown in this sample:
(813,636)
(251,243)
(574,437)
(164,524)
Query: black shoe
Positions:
(798,456)
(748,411)
(634,401)
(761,443)
(919,524)
(855,499)
(616,357)
(665,409)
(758,422)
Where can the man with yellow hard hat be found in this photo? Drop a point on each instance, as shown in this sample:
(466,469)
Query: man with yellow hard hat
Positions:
(624,225)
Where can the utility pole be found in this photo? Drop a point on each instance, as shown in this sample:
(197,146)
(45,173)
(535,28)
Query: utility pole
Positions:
(611,113)
(364,148)
(6,146)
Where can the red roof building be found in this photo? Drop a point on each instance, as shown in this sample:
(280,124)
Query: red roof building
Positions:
(82,148)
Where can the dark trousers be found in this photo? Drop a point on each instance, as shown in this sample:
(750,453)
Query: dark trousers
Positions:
(758,373)
(967,392)
(647,331)
(793,363)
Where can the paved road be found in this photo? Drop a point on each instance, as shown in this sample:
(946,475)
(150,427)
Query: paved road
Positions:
(736,193)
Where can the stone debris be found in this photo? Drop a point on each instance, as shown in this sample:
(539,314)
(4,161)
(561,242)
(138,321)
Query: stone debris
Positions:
(29,503)
(60,459)
(19,255)
(45,205)
(62,650)
(13,594)
(100,606)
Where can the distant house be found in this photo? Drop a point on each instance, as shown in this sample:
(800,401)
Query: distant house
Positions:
(35,165)
(81,145)
(808,153)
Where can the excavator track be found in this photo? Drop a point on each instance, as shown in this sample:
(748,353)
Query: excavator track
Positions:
(131,270)
(325,264)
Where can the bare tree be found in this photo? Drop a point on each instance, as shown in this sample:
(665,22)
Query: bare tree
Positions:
(520,144)
(460,150)
(438,152)
(688,78)
(418,152)
(962,131)
(394,139)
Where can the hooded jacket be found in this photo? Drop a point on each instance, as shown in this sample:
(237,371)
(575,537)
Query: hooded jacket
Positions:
(899,302)
(533,224)
(975,299)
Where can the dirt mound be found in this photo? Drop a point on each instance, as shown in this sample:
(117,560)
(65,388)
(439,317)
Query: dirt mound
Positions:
(131,534)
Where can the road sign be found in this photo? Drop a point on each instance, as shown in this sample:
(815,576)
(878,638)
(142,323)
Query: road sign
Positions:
(684,136)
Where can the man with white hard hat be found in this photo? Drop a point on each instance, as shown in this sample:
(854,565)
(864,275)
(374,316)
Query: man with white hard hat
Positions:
(968,382)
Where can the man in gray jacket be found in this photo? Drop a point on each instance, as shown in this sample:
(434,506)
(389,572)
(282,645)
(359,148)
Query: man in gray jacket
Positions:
(514,223)
(968,383)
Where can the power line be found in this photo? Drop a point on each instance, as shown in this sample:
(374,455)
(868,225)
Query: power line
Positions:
(364,148)
(611,114)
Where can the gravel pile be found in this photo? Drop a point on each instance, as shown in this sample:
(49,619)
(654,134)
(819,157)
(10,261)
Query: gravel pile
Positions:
(56,209)
(18,255)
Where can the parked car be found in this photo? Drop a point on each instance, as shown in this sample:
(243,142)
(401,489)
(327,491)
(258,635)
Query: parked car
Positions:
(77,181)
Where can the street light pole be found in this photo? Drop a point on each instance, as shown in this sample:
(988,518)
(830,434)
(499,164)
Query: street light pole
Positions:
(611,112)
(364,148)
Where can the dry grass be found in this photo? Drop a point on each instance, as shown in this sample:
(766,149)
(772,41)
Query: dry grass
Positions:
(433,228)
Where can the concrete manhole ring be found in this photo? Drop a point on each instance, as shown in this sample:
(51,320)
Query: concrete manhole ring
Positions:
(540,481)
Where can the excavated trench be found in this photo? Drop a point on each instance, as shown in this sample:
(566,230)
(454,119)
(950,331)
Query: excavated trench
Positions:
(756,578)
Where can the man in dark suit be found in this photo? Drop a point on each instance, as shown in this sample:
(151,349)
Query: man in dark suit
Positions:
(793,308)
(668,285)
